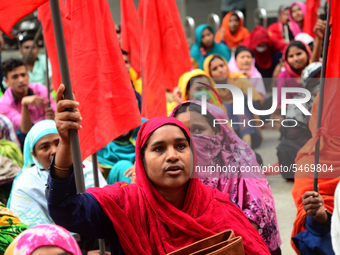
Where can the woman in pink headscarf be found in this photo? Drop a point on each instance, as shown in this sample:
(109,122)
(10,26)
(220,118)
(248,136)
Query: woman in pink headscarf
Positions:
(243,61)
(219,146)
(44,239)
(297,13)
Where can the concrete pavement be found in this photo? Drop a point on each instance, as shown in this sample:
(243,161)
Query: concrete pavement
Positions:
(284,203)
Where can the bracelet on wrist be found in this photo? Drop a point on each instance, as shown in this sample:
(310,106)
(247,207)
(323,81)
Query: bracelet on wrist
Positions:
(61,168)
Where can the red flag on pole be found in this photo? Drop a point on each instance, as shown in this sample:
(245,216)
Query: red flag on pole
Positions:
(13,11)
(331,102)
(312,7)
(165,53)
(101,83)
(131,33)
(44,15)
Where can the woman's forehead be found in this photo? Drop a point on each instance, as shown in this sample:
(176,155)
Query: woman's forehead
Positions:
(47,139)
(192,116)
(167,132)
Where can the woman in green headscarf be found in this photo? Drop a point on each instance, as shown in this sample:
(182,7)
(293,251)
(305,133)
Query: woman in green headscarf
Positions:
(10,228)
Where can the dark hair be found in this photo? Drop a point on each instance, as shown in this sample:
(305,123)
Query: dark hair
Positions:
(299,45)
(194,78)
(239,49)
(118,29)
(10,64)
(142,151)
(192,107)
(25,38)
(124,52)
(235,14)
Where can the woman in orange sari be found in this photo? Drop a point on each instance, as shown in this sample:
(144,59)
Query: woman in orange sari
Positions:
(310,233)
(232,31)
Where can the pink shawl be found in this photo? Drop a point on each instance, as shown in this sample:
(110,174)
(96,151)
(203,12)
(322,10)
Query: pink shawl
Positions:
(294,27)
(251,191)
(255,76)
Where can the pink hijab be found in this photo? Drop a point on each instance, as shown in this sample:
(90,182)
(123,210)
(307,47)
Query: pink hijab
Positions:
(251,191)
(43,235)
(255,76)
(294,27)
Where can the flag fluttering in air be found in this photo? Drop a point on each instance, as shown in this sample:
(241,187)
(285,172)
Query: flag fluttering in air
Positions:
(100,80)
(131,33)
(312,7)
(165,53)
(13,11)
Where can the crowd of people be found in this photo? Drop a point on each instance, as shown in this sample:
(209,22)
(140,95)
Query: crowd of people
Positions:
(150,198)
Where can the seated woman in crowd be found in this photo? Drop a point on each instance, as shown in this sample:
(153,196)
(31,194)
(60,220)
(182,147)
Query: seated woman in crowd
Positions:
(163,211)
(217,68)
(243,61)
(280,29)
(267,50)
(232,31)
(44,239)
(27,199)
(294,138)
(9,143)
(10,227)
(221,146)
(205,45)
(119,157)
(296,57)
(11,159)
(7,131)
(189,87)
(311,229)
(297,13)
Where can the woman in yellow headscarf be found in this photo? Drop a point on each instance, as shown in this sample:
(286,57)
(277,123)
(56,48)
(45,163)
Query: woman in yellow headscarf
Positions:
(217,68)
(190,87)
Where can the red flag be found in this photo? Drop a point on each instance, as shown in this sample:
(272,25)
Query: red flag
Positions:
(312,7)
(331,102)
(100,80)
(165,53)
(13,11)
(44,15)
(131,33)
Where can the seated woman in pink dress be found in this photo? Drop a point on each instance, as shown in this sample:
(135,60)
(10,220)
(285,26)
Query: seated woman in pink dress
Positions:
(220,147)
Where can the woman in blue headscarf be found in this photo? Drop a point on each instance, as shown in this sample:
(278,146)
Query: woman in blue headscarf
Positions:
(205,45)
(27,199)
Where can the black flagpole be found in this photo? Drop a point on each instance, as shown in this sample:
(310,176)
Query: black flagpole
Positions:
(320,107)
(47,80)
(96,184)
(66,80)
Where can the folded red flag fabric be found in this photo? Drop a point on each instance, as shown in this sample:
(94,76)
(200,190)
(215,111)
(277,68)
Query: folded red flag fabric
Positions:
(44,15)
(165,53)
(13,11)
(312,7)
(331,103)
(131,33)
(100,82)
